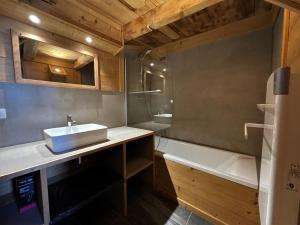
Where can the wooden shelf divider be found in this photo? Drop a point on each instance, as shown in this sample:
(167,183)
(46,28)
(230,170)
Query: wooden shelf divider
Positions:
(136,165)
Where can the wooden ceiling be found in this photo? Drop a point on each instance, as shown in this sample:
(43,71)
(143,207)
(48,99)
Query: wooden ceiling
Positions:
(119,11)
(148,23)
(213,17)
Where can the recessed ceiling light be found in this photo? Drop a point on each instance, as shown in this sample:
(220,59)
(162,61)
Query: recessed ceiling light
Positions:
(162,76)
(57,70)
(152,64)
(89,40)
(34,19)
(164,69)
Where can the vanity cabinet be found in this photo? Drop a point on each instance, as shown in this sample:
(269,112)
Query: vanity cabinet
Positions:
(111,170)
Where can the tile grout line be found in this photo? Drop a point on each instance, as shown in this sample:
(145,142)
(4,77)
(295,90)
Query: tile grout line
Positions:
(188,220)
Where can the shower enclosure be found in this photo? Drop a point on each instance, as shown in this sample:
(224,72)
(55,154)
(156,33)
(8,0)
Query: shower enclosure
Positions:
(149,89)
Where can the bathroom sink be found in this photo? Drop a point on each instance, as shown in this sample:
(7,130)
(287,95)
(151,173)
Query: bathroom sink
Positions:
(63,139)
(165,118)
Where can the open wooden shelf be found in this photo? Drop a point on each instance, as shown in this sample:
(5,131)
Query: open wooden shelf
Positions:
(9,215)
(136,165)
(139,155)
(69,195)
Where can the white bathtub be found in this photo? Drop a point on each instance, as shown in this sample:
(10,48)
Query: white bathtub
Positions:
(235,167)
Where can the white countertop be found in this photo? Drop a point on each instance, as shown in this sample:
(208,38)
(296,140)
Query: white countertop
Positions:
(20,159)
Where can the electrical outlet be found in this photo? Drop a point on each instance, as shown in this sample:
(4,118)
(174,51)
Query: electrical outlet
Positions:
(3,114)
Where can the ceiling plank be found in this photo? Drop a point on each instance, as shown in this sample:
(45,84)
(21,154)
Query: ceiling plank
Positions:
(85,7)
(20,12)
(82,61)
(72,12)
(169,32)
(134,4)
(230,30)
(288,4)
(164,14)
(114,8)
(149,4)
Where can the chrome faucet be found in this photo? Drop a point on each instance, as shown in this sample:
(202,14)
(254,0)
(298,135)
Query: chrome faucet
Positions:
(70,121)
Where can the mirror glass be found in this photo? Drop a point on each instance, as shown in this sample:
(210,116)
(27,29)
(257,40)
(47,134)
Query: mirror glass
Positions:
(46,62)
(154,80)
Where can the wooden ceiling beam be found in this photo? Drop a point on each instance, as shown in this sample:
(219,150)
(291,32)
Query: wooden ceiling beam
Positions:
(20,12)
(134,4)
(230,30)
(164,14)
(293,5)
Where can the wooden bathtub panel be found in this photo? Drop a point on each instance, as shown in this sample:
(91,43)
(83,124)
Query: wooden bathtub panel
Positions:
(211,190)
(219,200)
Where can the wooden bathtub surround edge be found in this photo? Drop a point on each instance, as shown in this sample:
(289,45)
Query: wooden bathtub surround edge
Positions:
(216,199)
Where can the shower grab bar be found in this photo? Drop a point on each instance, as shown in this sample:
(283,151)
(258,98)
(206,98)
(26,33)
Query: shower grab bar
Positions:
(264,107)
(256,125)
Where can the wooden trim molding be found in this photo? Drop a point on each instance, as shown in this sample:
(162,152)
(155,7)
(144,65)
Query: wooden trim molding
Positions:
(16,55)
(18,65)
(285,37)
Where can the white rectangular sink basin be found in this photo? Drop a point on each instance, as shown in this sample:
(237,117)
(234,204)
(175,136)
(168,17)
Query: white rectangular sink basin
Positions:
(63,139)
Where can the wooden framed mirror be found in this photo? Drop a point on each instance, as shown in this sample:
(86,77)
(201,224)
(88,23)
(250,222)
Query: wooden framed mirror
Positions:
(47,62)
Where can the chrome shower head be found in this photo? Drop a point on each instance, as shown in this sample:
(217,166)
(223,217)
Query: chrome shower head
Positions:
(145,54)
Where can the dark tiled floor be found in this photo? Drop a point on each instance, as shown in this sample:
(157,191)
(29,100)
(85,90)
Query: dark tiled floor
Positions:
(147,209)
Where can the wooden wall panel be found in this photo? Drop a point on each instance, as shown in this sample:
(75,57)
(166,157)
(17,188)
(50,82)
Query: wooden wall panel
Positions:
(218,200)
(110,72)
(293,43)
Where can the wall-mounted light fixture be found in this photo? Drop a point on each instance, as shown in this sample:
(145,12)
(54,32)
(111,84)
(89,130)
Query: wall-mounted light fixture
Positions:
(57,70)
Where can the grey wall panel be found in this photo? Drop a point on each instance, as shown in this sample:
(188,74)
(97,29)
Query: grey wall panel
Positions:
(30,109)
(216,89)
